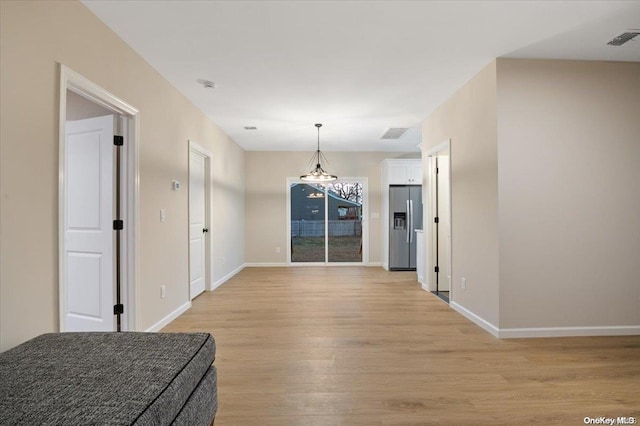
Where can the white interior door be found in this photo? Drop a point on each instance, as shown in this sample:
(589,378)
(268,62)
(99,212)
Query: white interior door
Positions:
(197,223)
(88,225)
(444,239)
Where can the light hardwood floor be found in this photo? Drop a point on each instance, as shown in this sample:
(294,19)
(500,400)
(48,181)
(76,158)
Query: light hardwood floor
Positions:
(362,346)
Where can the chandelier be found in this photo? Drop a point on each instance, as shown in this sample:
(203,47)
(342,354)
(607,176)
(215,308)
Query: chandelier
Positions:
(318,174)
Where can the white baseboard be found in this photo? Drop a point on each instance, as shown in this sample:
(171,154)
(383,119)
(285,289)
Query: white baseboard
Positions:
(166,320)
(266,265)
(514,333)
(226,278)
(286,265)
(486,325)
(182,309)
(533,332)
(425,288)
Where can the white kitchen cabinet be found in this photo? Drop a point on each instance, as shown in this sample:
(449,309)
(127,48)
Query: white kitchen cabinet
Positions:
(403,172)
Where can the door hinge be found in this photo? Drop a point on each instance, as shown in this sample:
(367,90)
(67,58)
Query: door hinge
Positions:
(437,268)
(436,220)
(118,140)
(437,170)
(118,309)
(118,225)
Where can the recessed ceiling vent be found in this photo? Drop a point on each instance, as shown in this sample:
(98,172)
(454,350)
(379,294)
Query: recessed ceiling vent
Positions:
(206,83)
(250,128)
(394,133)
(624,37)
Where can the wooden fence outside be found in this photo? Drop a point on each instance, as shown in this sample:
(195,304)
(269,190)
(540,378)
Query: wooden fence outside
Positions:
(315,228)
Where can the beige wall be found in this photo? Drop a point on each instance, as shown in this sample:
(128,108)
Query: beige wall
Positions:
(266,183)
(569,191)
(34,37)
(469,119)
(79,108)
(545,195)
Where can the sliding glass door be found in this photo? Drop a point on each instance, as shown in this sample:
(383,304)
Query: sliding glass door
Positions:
(307,222)
(326,222)
(344,224)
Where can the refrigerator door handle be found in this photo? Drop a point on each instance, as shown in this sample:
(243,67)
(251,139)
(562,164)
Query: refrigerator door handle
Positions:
(411,221)
(408,225)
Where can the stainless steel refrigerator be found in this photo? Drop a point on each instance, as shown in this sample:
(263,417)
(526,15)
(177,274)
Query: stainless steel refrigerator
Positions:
(405,215)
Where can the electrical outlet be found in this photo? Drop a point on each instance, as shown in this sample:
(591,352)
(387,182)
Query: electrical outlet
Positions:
(163,291)
(277,249)
(464,283)
(163,215)
(224,260)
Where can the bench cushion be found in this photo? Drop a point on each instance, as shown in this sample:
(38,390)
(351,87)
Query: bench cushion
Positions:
(102,378)
(199,409)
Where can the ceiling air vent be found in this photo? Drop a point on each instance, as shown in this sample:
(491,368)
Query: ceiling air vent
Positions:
(206,83)
(250,128)
(394,132)
(624,37)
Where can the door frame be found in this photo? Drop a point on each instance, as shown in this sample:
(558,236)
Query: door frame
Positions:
(365,224)
(194,147)
(429,214)
(130,197)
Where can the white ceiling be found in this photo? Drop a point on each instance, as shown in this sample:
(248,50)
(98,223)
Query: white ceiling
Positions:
(358,67)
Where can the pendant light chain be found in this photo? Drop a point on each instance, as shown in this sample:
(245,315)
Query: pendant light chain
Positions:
(318,174)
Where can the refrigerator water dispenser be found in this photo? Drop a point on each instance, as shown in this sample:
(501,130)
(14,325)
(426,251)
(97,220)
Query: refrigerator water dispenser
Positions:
(399,220)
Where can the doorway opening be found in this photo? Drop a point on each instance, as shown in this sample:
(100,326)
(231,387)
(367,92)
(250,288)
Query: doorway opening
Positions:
(326,222)
(97,207)
(200,209)
(439,216)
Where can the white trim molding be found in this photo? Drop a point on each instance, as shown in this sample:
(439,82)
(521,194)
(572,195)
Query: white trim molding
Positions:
(486,325)
(226,278)
(428,197)
(166,320)
(442,146)
(622,330)
(295,265)
(310,264)
(533,332)
(71,80)
(194,147)
(266,265)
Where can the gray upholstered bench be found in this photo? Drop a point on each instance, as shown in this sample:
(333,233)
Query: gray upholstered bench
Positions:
(110,379)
